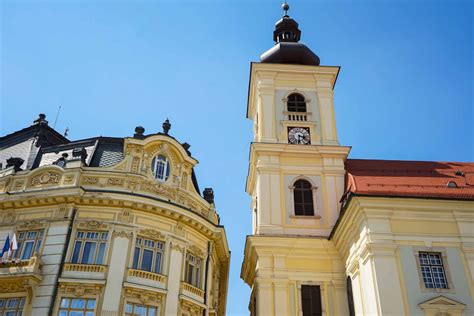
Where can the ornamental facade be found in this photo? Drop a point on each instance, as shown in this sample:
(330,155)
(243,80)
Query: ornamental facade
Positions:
(107,226)
(339,236)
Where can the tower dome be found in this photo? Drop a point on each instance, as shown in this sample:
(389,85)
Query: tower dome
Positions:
(288,49)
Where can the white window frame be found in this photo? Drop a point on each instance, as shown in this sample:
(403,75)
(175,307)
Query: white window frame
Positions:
(84,239)
(22,239)
(166,168)
(135,303)
(447,274)
(69,308)
(197,265)
(156,249)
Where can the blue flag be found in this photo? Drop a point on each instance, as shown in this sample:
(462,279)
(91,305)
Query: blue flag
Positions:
(6,246)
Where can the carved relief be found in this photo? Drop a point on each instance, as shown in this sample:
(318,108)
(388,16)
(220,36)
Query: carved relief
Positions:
(17,285)
(152,233)
(177,247)
(125,216)
(122,234)
(31,225)
(115,181)
(184,181)
(47,177)
(93,225)
(9,218)
(196,250)
(19,184)
(144,296)
(132,184)
(69,179)
(179,230)
(190,308)
(135,164)
(61,212)
(79,290)
(90,180)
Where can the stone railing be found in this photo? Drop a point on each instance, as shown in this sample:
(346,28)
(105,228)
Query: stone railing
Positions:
(147,275)
(30,266)
(297,116)
(77,267)
(192,289)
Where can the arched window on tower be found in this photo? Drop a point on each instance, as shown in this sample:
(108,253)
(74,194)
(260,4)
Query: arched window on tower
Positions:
(303,198)
(296,103)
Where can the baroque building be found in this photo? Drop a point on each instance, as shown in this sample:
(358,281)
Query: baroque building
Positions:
(107,226)
(339,236)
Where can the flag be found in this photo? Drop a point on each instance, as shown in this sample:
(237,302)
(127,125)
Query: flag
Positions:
(6,246)
(13,245)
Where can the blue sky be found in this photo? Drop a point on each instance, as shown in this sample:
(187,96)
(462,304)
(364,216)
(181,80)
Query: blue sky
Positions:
(404,91)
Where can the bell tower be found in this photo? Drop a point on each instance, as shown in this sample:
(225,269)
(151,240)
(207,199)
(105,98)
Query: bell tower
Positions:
(296,180)
(291,103)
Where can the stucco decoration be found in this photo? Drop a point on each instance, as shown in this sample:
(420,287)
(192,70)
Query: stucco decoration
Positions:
(144,296)
(45,178)
(152,233)
(190,308)
(122,234)
(80,289)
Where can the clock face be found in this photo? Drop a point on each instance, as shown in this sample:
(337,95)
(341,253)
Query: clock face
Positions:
(299,135)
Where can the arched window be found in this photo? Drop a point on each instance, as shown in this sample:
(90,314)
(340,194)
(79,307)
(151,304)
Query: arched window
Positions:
(160,167)
(303,198)
(296,103)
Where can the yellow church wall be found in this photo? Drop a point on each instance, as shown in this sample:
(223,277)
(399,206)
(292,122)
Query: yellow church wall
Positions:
(286,263)
(379,238)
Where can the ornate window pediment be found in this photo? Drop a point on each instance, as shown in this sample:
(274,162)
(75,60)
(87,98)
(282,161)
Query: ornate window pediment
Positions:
(442,306)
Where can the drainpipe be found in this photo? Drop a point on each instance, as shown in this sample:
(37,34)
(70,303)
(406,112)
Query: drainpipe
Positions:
(205,311)
(61,265)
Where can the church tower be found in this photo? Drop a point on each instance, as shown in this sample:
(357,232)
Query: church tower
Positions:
(296,181)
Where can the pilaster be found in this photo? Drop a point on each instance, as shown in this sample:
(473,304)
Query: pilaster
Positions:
(119,257)
(174,278)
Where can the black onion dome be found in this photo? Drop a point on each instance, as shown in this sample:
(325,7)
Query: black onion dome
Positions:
(288,49)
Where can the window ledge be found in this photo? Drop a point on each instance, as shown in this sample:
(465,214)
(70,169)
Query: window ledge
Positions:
(305,216)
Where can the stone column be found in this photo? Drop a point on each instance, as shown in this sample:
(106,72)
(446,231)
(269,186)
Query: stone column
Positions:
(174,278)
(120,244)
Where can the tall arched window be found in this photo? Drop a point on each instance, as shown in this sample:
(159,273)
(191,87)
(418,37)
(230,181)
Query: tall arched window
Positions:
(303,198)
(160,167)
(296,103)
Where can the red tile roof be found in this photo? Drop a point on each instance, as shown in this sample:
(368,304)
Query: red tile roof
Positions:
(424,179)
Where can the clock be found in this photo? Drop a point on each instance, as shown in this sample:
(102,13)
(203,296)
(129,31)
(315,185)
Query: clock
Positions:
(299,135)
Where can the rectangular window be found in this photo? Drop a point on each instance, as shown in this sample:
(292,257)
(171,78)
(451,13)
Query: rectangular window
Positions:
(134,309)
(193,270)
(90,247)
(311,300)
(77,307)
(147,255)
(29,243)
(12,306)
(432,270)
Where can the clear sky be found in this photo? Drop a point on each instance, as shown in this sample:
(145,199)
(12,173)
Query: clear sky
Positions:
(404,91)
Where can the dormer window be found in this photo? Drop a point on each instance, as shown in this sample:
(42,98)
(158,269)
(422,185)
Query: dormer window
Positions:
(296,103)
(160,167)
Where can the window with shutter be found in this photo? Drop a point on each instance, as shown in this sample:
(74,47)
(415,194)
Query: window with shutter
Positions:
(311,300)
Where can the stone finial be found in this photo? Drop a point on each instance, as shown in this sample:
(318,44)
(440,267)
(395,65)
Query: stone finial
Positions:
(41,119)
(186,147)
(208,195)
(139,130)
(15,162)
(166,126)
(79,152)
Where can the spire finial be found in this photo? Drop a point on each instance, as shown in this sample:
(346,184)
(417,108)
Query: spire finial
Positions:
(285,7)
